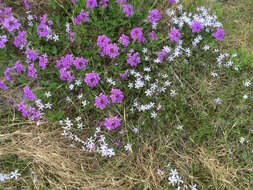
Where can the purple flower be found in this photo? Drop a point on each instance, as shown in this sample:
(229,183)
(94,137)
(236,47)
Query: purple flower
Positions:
(154,15)
(103,3)
(3,40)
(174,35)
(43,30)
(29,94)
(112,123)
(102,41)
(6,71)
(27,5)
(65,61)
(133,58)
(32,71)
(125,75)
(28,111)
(117,142)
(80,63)
(19,67)
(117,96)
(101,101)
(43,61)
(124,40)
(172,1)
(128,9)
(2,85)
(20,40)
(92,79)
(66,75)
(112,50)
(152,35)
(121,1)
(11,23)
(31,54)
(219,34)
(91,4)
(82,17)
(136,33)
(196,26)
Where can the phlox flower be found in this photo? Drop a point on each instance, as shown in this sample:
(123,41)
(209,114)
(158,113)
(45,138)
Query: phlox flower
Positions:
(154,15)
(174,35)
(121,1)
(128,9)
(43,61)
(19,67)
(101,101)
(103,3)
(117,96)
(112,123)
(196,26)
(152,35)
(133,58)
(92,79)
(29,94)
(80,63)
(20,40)
(66,75)
(102,41)
(6,72)
(219,34)
(2,85)
(172,1)
(11,23)
(136,33)
(124,40)
(91,3)
(125,75)
(43,30)
(112,50)
(82,17)
(27,5)
(32,71)
(31,54)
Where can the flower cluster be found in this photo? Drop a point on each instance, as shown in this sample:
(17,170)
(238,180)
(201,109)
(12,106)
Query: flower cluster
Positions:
(28,111)
(82,17)
(133,58)
(112,123)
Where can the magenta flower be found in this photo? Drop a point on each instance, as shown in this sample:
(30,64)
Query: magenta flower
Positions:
(31,54)
(219,34)
(2,85)
(128,9)
(125,75)
(6,72)
(124,40)
(66,75)
(196,26)
(152,35)
(117,96)
(92,79)
(29,94)
(43,61)
(27,5)
(103,3)
(133,58)
(174,35)
(101,101)
(102,41)
(112,50)
(43,30)
(112,123)
(31,71)
(121,1)
(154,15)
(136,33)
(20,40)
(80,63)
(91,4)
(172,1)
(19,67)
(11,23)
(82,17)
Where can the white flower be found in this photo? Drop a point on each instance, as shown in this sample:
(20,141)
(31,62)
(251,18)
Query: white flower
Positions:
(146,58)
(242,140)
(153,115)
(15,174)
(160,172)
(213,74)
(247,83)
(135,130)
(148,92)
(48,94)
(144,50)
(218,100)
(245,96)
(154,25)
(71,87)
(206,47)
(157,60)
(85,103)
(147,69)
(48,105)
(80,96)
(130,85)
(128,147)
(193,187)
(78,118)
(147,77)
(78,82)
(180,127)
(173,93)
(68,99)
(167,49)
(55,37)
